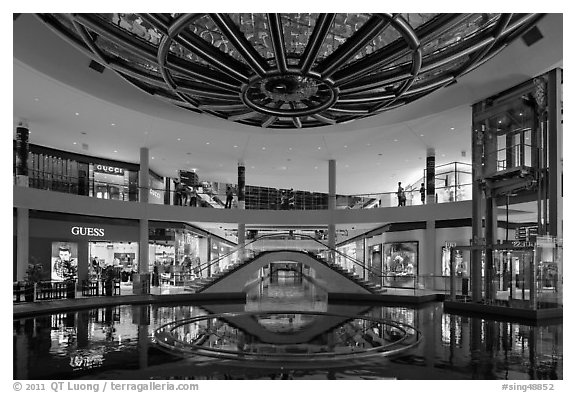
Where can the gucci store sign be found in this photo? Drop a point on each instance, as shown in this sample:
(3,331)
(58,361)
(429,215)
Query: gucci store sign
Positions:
(108,169)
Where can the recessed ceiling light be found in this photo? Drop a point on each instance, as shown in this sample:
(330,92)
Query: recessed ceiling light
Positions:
(179,139)
(152,157)
(207,143)
(115,151)
(289,148)
(421,134)
(113,124)
(263,148)
(77,114)
(395,140)
(452,128)
(520,113)
(235,146)
(75,143)
(319,148)
(345,146)
(499,121)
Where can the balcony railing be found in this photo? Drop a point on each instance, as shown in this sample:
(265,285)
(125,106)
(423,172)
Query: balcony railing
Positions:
(208,198)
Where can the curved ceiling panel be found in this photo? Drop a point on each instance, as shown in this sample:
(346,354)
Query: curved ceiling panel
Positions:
(290,70)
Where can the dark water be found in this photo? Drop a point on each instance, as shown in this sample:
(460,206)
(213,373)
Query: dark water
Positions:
(117,343)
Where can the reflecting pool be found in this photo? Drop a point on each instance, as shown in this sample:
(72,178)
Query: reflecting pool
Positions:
(119,342)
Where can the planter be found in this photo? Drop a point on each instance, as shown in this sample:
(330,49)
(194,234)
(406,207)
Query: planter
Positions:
(108,288)
(29,292)
(71,289)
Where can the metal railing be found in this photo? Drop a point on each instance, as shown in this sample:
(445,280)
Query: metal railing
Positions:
(210,199)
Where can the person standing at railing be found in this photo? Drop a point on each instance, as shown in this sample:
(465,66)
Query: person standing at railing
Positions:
(179,192)
(229,197)
(422,193)
(400,194)
(193,196)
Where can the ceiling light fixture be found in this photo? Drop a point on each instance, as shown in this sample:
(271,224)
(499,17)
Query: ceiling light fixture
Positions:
(291,70)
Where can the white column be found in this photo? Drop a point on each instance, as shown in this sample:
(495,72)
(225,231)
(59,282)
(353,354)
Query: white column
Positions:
(142,279)
(332,205)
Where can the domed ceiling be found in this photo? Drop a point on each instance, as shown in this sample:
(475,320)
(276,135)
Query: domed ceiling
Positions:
(290,70)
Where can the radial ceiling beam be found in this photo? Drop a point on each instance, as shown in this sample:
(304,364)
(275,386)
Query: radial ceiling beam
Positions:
(243,116)
(352,45)
(324,119)
(242,45)
(268,122)
(277,35)
(498,32)
(323,24)
(213,56)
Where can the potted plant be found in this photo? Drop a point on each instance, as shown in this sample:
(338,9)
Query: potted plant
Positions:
(108,276)
(33,276)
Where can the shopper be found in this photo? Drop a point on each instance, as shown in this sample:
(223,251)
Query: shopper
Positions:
(229,197)
(155,276)
(193,196)
(400,194)
(422,193)
(179,192)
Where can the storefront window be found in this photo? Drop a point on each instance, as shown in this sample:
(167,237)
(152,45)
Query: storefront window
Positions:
(400,264)
(123,256)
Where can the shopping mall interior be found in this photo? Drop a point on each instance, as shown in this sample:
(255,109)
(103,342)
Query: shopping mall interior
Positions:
(288,196)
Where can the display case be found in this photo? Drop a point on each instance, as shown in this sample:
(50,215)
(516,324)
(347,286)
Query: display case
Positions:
(400,264)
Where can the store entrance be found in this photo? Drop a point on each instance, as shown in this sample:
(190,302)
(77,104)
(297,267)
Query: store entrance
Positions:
(122,256)
(512,271)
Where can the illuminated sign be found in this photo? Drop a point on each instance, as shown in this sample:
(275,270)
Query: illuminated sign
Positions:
(108,169)
(87,231)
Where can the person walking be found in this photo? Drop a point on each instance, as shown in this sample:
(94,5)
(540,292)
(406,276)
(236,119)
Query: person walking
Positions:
(400,194)
(229,197)
(422,193)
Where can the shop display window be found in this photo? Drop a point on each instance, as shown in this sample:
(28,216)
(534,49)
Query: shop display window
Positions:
(64,260)
(400,263)
(460,262)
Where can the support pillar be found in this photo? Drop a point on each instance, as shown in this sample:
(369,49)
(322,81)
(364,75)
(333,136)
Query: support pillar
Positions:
(22,151)
(22,242)
(430,175)
(332,206)
(141,281)
(241,205)
(555,151)
(429,248)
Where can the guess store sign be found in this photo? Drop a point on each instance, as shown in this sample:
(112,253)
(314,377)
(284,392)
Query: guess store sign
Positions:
(66,230)
(112,170)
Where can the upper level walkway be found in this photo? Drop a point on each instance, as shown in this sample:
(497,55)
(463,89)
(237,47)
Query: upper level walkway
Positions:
(50,201)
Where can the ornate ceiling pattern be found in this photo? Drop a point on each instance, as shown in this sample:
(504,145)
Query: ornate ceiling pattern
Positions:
(290,70)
